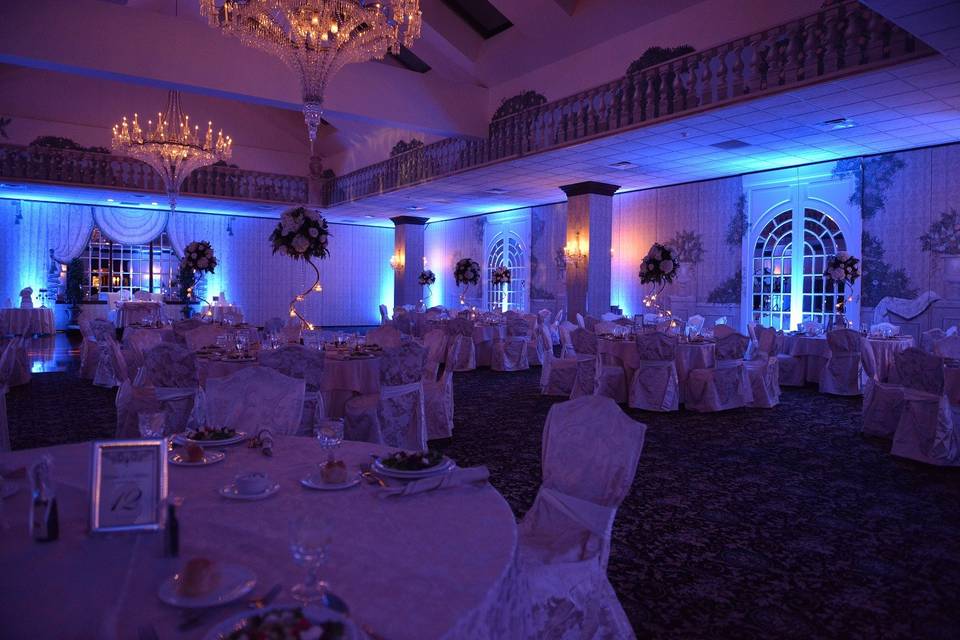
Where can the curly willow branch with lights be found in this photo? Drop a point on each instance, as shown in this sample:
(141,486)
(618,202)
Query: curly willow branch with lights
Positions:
(302,234)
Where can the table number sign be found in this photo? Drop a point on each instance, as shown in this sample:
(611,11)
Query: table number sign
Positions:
(128,485)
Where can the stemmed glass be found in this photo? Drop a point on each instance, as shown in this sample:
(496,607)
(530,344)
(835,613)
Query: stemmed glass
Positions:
(309,539)
(329,433)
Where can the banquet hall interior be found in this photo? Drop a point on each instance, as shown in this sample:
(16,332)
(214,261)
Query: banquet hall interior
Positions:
(487,319)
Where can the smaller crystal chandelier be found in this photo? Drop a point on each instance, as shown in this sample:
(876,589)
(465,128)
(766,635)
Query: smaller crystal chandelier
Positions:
(170,146)
(396,262)
(574,254)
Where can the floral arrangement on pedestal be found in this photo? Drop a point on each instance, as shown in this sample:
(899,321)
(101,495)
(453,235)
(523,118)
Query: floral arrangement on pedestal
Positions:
(198,260)
(842,269)
(501,275)
(425,279)
(659,268)
(465,273)
(302,234)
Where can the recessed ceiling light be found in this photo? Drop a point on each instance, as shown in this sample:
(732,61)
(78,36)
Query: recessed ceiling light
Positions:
(414,207)
(497,191)
(622,165)
(838,123)
(731,144)
(109,199)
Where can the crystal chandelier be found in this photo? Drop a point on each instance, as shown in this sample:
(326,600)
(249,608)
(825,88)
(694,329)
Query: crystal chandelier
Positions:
(318,37)
(170,146)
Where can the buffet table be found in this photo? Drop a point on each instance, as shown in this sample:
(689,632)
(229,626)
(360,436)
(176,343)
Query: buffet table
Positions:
(26,322)
(398,563)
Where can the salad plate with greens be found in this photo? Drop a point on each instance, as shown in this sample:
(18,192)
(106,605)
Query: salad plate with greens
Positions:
(284,621)
(412,464)
(212,436)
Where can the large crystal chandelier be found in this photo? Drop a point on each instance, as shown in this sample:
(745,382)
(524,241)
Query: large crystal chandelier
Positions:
(170,145)
(318,37)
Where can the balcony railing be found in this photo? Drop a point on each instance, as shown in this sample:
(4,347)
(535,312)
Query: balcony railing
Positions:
(64,166)
(839,40)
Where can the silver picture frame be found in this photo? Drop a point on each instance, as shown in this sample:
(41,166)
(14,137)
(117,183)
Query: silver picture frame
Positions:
(128,485)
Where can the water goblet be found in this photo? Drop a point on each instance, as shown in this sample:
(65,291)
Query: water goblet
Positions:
(309,540)
(329,433)
(152,425)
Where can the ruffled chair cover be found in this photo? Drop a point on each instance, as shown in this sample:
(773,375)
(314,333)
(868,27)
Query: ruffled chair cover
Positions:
(929,338)
(438,404)
(842,373)
(558,374)
(730,349)
(510,351)
(590,454)
(384,314)
(566,345)
(545,321)
(766,341)
(949,347)
(131,402)
(395,416)
(385,336)
(89,350)
(435,342)
(255,398)
(927,430)
(655,386)
(534,348)
(111,366)
(595,375)
(882,402)
(171,370)
(461,352)
(722,331)
(301,363)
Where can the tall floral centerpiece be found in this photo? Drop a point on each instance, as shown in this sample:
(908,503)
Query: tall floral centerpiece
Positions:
(842,269)
(501,278)
(198,260)
(426,279)
(465,273)
(302,234)
(658,269)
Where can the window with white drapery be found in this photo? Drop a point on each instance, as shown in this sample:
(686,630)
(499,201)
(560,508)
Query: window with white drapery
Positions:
(114,266)
(506,250)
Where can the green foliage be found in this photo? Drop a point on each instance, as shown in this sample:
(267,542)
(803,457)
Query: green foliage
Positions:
(943,236)
(655,55)
(55,142)
(689,246)
(728,292)
(737,227)
(403,147)
(76,279)
(873,177)
(879,278)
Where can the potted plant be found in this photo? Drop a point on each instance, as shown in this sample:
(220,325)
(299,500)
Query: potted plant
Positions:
(73,292)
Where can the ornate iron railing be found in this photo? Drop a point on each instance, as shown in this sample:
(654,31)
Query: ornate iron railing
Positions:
(838,40)
(65,166)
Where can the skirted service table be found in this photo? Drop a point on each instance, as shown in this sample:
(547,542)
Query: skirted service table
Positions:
(138,312)
(814,352)
(26,322)
(420,566)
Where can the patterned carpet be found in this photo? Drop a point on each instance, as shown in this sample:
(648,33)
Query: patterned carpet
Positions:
(747,524)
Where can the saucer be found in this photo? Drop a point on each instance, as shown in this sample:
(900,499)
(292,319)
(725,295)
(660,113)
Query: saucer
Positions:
(179,458)
(230,491)
(315,481)
(235,582)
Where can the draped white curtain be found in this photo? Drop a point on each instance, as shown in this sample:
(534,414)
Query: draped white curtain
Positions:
(130,226)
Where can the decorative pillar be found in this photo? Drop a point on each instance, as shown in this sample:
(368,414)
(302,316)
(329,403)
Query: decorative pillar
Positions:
(589,238)
(408,248)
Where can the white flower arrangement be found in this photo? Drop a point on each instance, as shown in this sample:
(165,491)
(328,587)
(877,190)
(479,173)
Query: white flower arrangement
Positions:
(501,275)
(842,268)
(198,257)
(659,265)
(301,233)
(466,272)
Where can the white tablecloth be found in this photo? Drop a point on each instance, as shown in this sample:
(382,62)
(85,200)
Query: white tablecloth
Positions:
(138,311)
(21,322)
(689,356)
(224,313)
(815,352)
(407,567)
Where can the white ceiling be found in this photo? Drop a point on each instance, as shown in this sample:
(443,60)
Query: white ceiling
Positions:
(936,22)
(911,105)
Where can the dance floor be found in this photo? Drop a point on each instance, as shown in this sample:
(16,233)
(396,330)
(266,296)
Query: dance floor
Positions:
(749,523)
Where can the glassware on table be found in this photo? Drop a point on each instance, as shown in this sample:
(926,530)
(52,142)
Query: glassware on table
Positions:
(310,538)
(329,433)
(152,425)
(222,341)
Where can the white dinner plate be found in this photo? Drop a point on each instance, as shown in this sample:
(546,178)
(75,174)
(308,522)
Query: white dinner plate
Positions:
(444,466)
(315,481)
(230,491)
(9,488)
(235,582)
(314,614)
(239,437)
(179,458)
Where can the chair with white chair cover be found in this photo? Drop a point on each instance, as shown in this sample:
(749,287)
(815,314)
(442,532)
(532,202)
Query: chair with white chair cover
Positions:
(111,365)
(301,363)
(929,338)
(534,348)
(558,374)
(949,347)
(404,323)
(655,386)
(384,314)
(566,345)
(18,363)
(142,295)
(594,374)
(723,330)
(928,430)
(396,415)
(255,398)
(89,351)
(461,352)
(203,336)
(763,369)
(171,371)
(545,321)
(581,322)
(438,404)
(132,401)
(590,453)
(9,364)
(841,375)
(725,387)
(882,402)
(435,342)
(510,351)
(384,336)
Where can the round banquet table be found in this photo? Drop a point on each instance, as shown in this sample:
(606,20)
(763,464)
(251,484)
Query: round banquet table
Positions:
(398,563)
(26,322)
(144,338)
(208,368)
(815,352)
(136,311)
(696,355)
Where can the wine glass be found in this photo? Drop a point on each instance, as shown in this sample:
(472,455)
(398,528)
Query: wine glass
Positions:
(309,539)
(329,433)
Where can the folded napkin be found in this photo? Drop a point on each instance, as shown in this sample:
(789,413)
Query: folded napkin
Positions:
(454,478)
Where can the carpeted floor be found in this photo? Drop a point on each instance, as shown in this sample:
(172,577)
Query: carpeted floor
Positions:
(747,524)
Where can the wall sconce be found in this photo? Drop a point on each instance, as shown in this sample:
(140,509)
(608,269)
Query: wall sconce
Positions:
(575,254)
(396,262)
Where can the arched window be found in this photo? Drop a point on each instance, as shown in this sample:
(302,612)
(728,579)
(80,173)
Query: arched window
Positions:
(111,266)
(506,249)
(788,285)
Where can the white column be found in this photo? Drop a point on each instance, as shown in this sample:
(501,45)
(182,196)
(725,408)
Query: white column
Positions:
(408,248)
(589,228)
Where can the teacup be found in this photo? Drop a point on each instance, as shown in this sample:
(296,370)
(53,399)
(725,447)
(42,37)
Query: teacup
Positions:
(249,484)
